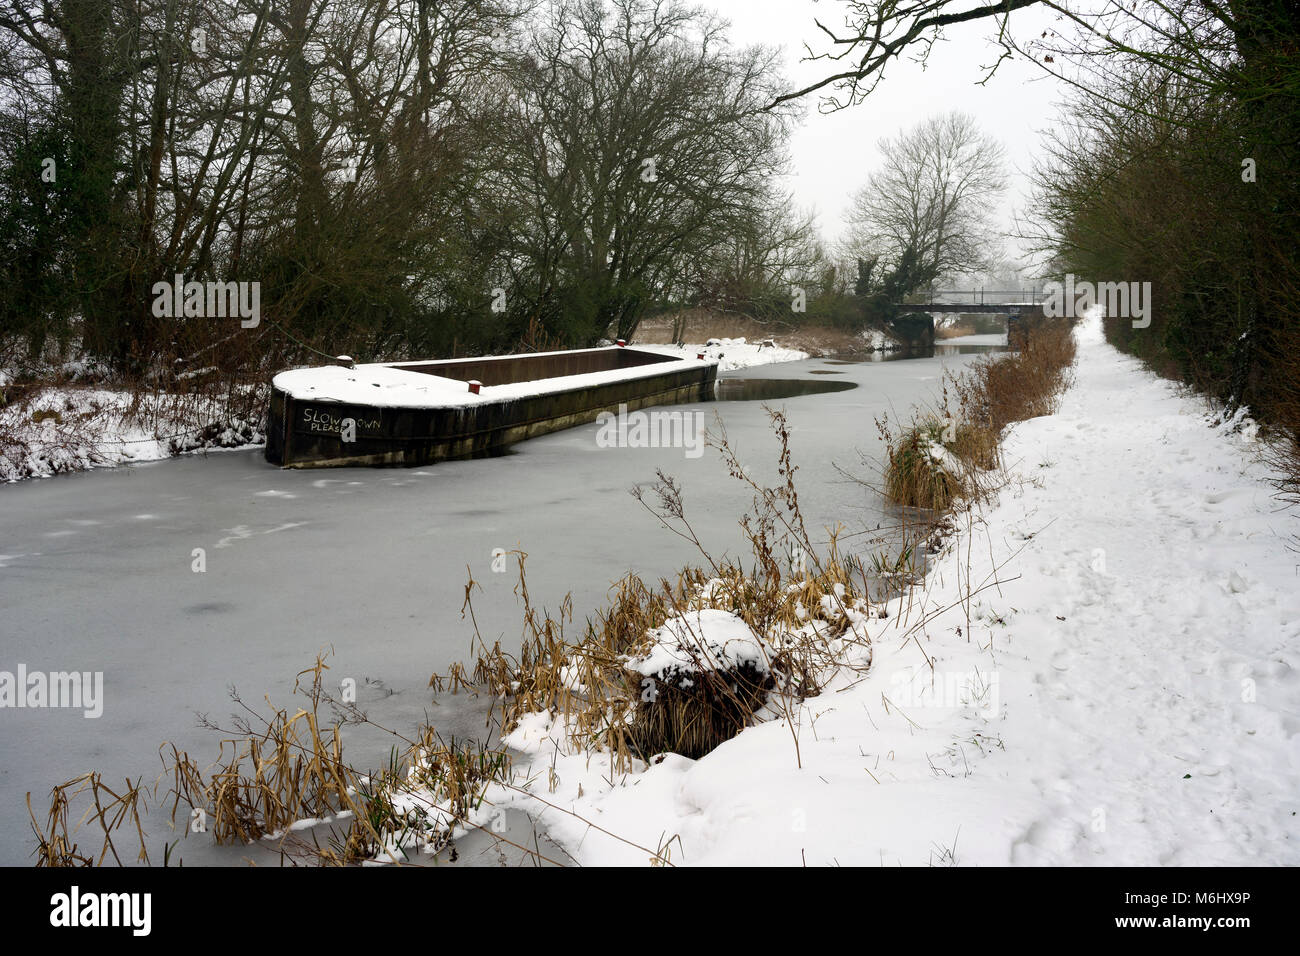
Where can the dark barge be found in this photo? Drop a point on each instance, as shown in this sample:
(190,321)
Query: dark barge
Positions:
(416,413)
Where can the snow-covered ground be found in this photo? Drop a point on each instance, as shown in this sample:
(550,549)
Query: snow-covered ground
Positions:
(731,354)
(1108,673)
(76,428)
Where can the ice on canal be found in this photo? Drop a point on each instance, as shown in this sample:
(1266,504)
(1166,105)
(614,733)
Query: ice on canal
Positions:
(98,573)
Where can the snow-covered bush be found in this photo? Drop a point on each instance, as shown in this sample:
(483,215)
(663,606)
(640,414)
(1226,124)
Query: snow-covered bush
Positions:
(702,678)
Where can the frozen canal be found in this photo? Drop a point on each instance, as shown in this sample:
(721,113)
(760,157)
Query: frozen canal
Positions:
(95,573)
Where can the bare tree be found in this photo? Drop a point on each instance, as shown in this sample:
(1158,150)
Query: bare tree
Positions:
(771,260)
(638,143)
(930,206)
(1204,42)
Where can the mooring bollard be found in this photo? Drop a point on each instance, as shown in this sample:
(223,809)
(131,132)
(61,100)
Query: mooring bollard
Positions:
(700,356)
(621,344)
(475,385)
(347,361)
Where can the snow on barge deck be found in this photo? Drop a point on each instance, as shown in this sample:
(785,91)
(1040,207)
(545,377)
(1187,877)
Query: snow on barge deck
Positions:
(415,413)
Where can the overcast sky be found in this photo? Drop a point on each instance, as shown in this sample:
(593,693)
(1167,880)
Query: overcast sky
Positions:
(833,153)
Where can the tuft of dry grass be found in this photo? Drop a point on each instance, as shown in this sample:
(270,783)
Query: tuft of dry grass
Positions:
(275,771)
(693,714)
(936,461)
(1021,385)
(270,773)
(109,810)
(942,458)
(421,800)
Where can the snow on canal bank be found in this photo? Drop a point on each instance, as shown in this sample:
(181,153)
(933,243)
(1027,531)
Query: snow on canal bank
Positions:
(70,428)
(1108,673)
(732,354)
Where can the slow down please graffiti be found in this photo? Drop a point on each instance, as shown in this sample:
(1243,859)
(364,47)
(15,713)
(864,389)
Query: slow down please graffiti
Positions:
(336,420)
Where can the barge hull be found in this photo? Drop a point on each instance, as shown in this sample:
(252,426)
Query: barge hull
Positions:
(307,433)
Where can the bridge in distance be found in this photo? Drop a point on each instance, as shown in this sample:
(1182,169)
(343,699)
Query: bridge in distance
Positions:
(994,301)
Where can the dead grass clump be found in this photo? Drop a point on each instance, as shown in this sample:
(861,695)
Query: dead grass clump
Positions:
(423,801)
(943,457)
(693,712)
(919,472)
(265,779)
(977,446)
(109,810)
(275,772)
(1021,385)
(691,708)
(935,462)
(584,679)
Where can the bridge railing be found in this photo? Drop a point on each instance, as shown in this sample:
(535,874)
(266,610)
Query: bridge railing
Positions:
(989,296)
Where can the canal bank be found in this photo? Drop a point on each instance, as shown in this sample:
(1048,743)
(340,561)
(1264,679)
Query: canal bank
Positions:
(1103,668)
(99,573)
